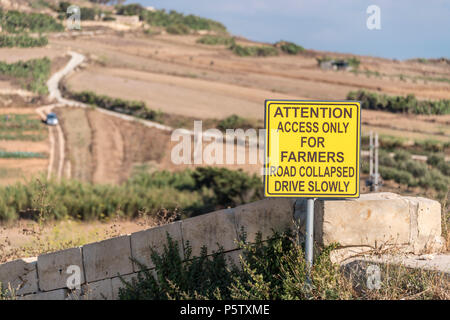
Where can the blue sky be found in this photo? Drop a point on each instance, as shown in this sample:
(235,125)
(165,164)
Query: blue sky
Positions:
(409,28)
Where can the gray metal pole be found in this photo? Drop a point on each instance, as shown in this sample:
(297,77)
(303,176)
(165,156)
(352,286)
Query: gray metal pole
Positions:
(376,162)
(309,241)
(371,158)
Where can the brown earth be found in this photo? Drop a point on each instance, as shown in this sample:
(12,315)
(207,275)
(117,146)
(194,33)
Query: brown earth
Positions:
(13,170)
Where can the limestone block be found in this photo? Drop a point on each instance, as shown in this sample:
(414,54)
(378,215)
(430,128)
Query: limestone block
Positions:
(98,290)
(425,225)
(20,275)
(372,220)
(53,268)
(117,283)
(107,259)
(155,238)
(59,294)
(265,216)
(210,229)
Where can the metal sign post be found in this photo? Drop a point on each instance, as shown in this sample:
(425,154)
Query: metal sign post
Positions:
(309,240)
(312,150)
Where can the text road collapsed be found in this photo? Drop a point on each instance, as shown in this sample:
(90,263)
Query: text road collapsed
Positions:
(312,148)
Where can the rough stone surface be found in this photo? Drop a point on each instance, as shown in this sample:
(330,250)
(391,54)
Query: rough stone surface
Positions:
(20,275)
(98,290)
(264,216)
(52,268)
(372,220)
(60,294)
(107,259)
(210,229)
(426,225)
(117,284)
(233,258)
(155,238)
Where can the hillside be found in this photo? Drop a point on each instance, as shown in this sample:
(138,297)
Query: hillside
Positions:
(143,73)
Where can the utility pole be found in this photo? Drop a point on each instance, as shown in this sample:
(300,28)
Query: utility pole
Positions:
(376,164)
(371,158)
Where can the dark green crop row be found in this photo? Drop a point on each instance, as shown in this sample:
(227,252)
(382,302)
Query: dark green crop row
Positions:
(22,41)
(17,22)
(32,74)
(193,192)
(399,104)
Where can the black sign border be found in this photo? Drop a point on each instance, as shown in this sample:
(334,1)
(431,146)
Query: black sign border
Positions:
(309,195)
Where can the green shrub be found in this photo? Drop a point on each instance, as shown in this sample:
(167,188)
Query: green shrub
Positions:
(173,21)
(353,62)
(17,22)
(438,161)
(192,192)
(198,277)
(253,51)
(230,187)
(22,41)
(178,28)
(32,74)
(417,169)
(88,13)
(274,269)
(401,155)
(385,159)
(398,104)
(133,9)
(21,154)
(135,108)
(161,18)
(397,175)
(234,122)
(216,40)
(290,47)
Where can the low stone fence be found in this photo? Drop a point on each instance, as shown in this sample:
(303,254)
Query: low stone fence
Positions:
(384,218)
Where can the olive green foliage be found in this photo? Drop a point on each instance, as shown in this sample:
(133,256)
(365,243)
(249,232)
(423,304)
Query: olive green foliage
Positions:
(216,40)
(32,74)
(20,154)
(290,47)
(18,22)
(272,269)
(192,192)
(438,161)
(235,122)
(199,277)
(254,51)
(85,13)
(135,108)
(23,127)
(353,62)
(178,29)
(229,187)
(402,169)
(171,20)
(22,41)
(399,104)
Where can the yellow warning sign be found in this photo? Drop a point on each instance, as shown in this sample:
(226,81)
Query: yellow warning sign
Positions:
(312,149)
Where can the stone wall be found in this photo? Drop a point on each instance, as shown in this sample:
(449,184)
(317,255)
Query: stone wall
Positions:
(413,224)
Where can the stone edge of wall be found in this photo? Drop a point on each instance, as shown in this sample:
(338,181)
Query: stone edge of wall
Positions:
(101,263)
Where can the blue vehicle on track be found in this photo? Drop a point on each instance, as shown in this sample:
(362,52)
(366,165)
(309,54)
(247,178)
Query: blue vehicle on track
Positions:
(52,119)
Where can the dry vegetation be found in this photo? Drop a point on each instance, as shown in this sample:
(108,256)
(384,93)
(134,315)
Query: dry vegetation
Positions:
(182,75)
